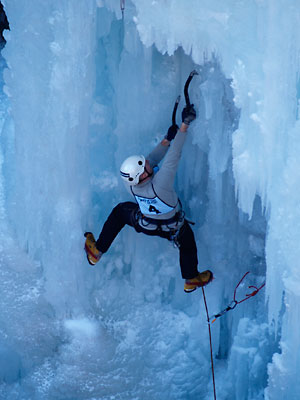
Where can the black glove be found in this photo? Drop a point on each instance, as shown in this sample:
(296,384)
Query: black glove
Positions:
(171,132)
(188,114)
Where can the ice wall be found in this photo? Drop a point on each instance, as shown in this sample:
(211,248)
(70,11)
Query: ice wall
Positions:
(85,89)
(49,83)
(257,43)
(147,85)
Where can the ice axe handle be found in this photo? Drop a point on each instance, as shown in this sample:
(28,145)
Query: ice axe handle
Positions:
(186,87)
(175,110)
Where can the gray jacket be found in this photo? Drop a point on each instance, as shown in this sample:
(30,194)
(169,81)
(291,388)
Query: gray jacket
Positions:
(157,198)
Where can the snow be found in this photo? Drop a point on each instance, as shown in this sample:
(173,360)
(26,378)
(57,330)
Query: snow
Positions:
(81,90)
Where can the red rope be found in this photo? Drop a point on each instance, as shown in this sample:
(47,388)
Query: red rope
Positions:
(210,342)
(249,287)
(234,302)
(222,313)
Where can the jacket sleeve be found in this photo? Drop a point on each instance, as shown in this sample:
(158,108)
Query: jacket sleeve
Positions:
(157,154)
(165,177)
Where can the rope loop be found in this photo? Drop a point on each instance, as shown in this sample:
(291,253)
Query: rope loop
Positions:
(248,295)
(231,306)
(235,302)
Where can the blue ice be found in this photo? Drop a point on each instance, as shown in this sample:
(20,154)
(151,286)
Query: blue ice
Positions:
(81,89)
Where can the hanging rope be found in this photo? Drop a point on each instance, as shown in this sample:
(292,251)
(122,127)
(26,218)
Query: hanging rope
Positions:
(235,302)
(122,6)
(231,306)
(210,342)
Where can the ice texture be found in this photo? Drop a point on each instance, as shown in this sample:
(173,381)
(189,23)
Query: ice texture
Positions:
(83,87)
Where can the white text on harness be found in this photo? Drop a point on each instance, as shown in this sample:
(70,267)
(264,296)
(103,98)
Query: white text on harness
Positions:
(153,206)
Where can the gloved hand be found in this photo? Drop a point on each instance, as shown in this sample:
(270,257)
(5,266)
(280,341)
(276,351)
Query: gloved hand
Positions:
(171,132)
(188,114)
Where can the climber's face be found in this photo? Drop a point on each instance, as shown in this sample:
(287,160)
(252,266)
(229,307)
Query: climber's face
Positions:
(147,174)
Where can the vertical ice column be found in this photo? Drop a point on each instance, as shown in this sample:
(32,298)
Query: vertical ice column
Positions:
(50,54)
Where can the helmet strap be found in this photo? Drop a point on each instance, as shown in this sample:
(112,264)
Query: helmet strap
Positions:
(149,175)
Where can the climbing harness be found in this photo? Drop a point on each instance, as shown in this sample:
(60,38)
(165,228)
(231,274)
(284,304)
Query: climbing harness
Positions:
(177,219)
(171,225)
(174,238)
(234,302)
(122,6)
(231,306)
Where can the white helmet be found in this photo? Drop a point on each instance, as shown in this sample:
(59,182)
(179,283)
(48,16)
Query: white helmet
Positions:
(132,168)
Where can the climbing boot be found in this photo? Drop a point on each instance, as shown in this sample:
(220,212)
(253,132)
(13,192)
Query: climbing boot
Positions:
(202,279)
(92,253)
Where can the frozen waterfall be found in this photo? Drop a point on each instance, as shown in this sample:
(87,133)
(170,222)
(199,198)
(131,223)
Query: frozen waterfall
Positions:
(82,87)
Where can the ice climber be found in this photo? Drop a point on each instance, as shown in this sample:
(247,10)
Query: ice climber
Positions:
(157,210)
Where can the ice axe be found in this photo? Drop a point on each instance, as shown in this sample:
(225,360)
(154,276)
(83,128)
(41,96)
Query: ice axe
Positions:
(175,110)
(186,95)
(186,87)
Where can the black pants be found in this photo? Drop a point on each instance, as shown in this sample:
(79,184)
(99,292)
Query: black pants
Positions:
(124,214)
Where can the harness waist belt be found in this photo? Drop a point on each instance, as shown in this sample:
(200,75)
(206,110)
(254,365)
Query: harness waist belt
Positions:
(160,222)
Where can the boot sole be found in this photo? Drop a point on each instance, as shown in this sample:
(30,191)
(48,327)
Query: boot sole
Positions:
(91,257)
(90,262)
(190,290)
(199,286)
